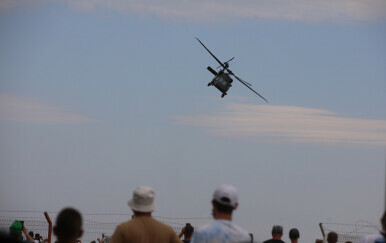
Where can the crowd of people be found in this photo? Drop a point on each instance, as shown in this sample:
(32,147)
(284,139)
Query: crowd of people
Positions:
(143,228)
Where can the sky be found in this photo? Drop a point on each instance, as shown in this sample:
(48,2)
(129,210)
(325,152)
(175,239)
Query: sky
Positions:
(99,97)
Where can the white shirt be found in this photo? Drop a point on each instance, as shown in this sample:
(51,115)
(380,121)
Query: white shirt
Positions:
(221,231)
(370,238)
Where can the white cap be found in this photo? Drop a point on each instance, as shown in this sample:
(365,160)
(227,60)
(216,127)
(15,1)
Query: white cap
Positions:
(143,199)
(226,195)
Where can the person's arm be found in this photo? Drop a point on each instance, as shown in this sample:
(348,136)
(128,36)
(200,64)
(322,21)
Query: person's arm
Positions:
(181,233)
(25,231)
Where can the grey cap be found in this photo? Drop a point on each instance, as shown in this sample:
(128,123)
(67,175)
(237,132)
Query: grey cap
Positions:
(277,229)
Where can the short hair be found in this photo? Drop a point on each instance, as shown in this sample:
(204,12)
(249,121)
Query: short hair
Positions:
(223,208)
(332,237)
(31,233)
(294,234)
(188,230)
(68,224)
(277,229)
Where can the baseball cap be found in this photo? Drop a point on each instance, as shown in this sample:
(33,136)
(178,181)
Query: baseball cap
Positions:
(143,199)
(226,195)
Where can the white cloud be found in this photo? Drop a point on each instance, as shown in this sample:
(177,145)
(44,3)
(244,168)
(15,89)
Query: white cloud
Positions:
(29,110)
(223,10)
(288,124)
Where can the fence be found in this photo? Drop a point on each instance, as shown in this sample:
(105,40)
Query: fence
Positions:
(94,224)
(349,232)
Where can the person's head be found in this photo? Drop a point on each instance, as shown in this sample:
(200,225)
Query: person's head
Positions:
(37,236)
(15,230)
(68,225)
(294,234)
(31,233)
(142,201)
(225,199)
(332,237)
(277,232)
(188,232)
(383,221)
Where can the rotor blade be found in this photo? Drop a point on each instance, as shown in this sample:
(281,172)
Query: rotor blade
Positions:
(241,81)
(230,59)
(211,54)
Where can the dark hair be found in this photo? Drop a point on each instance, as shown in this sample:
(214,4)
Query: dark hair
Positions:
(68,224)
(383,221)
(188,230)
(294,234)
(31,233)
(277,229)
(223,208)
(332,237)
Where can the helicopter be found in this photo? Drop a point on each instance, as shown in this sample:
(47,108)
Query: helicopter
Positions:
(222,80)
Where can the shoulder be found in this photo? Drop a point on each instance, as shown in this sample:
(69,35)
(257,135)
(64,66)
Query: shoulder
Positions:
(221,231)
(267,241)
(380,240)
(161,225)
(370,238)
(203,232)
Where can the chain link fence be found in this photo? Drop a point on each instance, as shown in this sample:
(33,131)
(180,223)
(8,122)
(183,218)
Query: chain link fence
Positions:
(350,232)
(94,225)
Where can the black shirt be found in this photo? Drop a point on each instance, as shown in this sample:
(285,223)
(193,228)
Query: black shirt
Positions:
(273,241)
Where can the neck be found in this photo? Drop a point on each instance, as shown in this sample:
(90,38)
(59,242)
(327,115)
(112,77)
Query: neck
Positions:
(223,216)
(67,241)
(142,214)
(294,241)
(276,237)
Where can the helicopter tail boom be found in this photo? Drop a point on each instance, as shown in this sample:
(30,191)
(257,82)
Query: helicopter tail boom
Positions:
(212,71)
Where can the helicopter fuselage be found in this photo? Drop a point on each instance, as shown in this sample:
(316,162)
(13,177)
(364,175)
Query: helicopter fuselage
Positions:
(222,81)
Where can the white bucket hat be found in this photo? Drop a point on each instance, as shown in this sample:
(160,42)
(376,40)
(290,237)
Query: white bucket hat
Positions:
(143,199)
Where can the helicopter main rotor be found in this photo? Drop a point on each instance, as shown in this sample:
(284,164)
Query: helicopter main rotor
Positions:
(225,66)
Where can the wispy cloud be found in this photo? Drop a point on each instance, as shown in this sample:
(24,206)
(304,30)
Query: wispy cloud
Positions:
(30,110)
(223,10)
(288,124)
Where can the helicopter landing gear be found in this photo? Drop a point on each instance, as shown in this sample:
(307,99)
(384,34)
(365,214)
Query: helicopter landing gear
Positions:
(222,96)
(210,84)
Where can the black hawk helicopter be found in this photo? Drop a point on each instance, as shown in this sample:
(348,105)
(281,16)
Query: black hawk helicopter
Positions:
(222,80)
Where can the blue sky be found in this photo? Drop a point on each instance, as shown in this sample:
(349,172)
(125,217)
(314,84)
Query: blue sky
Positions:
(97,98)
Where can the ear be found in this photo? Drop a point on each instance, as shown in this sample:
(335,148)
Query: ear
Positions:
(80,234)
(236,206)
(55,231)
